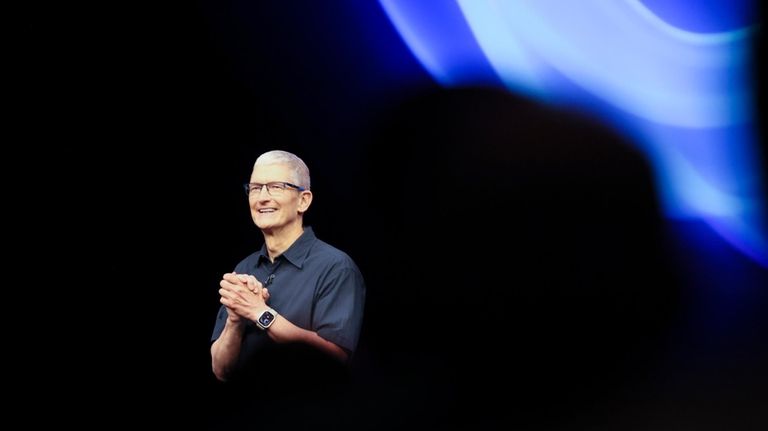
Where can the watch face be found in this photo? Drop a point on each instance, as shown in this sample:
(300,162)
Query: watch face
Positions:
(266,318)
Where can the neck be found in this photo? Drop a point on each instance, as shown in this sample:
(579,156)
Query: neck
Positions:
(278,240)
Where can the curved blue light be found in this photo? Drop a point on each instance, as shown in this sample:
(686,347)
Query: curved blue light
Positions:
(705,16)
(451,57)
(685,96)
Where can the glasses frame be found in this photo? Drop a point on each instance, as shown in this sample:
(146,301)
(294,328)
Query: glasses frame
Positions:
(247,187)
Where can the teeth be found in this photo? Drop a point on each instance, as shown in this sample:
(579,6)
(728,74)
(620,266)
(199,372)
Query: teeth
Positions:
(268,210)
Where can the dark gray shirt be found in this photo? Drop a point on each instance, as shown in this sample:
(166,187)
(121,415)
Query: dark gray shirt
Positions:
(312,284)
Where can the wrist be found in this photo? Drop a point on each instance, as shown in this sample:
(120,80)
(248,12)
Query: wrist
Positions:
(236,323)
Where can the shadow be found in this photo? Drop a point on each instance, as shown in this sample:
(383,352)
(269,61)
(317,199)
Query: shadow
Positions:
(521,271)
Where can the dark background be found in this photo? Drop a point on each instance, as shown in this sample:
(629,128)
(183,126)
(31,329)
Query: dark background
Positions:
(152,115)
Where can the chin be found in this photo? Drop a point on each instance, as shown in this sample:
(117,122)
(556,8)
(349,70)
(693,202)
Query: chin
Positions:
(262,224)
(265,224)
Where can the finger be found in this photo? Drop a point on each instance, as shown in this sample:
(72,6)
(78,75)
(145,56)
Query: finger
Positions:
(229,304)
(254,284)
(232,292)
(227,293)
(249,284)
(265,294)
(233,278)
(223,284)
(255,281)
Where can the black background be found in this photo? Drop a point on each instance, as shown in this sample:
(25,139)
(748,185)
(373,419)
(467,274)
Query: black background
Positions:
(149,116)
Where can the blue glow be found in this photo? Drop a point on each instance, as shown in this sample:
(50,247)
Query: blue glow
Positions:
(680,86)
(705,16)
(517,67)
(438,35)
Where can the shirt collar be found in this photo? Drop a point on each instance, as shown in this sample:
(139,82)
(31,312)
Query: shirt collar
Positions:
(297,252)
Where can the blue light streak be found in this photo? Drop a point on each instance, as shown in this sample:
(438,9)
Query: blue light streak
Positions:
(685,96)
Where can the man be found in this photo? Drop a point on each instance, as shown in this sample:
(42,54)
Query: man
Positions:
(295,291)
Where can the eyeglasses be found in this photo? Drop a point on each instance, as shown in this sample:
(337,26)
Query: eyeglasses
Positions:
(276,188)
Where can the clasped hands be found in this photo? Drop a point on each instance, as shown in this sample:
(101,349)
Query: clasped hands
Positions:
(243,295)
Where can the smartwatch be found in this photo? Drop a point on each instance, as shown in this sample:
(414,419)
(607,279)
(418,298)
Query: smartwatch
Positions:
(266,318)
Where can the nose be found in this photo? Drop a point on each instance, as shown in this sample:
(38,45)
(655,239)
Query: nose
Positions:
(263,193)
(253,194)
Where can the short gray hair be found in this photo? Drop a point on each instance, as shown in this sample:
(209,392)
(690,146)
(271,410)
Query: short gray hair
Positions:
(299,169)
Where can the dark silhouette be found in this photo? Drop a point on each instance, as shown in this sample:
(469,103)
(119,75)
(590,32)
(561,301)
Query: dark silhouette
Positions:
(521,252)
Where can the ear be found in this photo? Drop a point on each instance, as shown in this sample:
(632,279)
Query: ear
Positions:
(305,200)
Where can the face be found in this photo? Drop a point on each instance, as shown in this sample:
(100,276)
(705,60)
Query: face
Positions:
(277,212)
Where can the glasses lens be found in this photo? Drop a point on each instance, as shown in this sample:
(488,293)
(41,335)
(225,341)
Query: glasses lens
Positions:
(254,188)
(275,188)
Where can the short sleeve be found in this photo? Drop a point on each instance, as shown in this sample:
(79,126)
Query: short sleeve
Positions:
(338,310)
(221,319)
